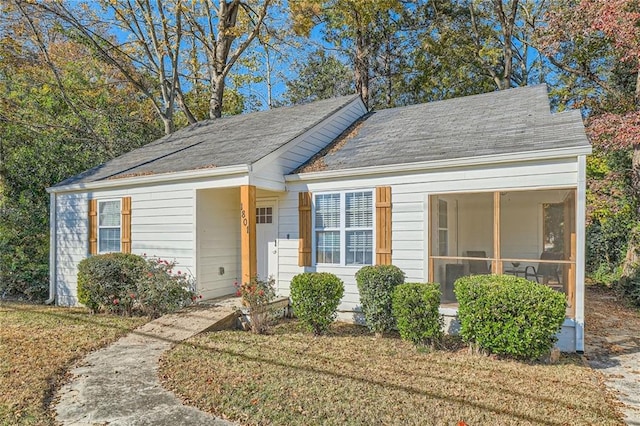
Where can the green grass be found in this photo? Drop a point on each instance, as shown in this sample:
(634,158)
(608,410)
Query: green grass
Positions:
(350,377)
(38,344)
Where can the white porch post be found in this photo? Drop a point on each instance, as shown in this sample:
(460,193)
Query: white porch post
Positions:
(580,251)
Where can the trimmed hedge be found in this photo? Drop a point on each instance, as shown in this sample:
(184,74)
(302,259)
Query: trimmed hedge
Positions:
(376,285)
(315,297)
(510,316)
(107,281)
(415,307)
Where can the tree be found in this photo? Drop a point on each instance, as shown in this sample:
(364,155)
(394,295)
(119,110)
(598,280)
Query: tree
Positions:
(62,111)
(149,49)
(492,36)
(349,24)
(445,64)
(318,76)
(224,31)
(590,41)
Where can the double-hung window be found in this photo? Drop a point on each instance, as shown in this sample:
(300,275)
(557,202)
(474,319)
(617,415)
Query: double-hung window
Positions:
(109,226)
(344,228)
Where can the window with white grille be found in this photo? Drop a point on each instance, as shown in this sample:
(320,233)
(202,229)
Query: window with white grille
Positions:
(344,228)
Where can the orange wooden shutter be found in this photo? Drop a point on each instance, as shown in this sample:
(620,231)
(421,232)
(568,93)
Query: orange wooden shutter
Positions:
(93,226)
(383,225)
(304,242)
(125,224)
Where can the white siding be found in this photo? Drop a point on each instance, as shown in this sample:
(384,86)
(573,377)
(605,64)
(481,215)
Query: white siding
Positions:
(162,222)
(218,244)
(410,194)
(283,161)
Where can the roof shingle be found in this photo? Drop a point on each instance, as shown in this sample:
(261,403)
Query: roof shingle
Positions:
(229,141)
(503,122)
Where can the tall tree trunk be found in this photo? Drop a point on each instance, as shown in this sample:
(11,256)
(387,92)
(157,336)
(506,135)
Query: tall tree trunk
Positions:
(168,125)
(217,93)
(361,66)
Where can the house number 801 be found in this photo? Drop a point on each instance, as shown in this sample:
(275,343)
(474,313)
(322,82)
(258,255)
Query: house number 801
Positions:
(245,221)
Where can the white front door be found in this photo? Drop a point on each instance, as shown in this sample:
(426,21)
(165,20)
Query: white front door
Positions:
(266,238)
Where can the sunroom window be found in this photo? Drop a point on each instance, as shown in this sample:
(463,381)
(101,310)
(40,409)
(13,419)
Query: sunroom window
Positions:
(109,226)
(344,228)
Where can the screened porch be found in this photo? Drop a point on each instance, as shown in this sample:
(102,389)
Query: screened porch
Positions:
(529,234)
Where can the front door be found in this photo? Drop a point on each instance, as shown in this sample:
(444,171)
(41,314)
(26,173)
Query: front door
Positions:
(266,238)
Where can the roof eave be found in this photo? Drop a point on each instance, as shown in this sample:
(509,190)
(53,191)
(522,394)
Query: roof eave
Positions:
(555,153)
(154,178)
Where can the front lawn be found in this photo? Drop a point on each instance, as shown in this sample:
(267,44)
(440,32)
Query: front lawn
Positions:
(350,377)
(37,346)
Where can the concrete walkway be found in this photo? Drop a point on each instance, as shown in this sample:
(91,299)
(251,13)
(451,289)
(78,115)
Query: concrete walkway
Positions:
(612,347)
(119,385)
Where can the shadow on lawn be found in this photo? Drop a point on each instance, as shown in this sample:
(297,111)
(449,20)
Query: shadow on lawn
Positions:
(349,330)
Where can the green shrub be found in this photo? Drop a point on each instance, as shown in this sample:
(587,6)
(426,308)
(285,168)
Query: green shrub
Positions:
(162,289)
(509,316)
(375,285)
(121,282)
(606,275)
(629,288)
(415,308)
(107,281)
(315,298)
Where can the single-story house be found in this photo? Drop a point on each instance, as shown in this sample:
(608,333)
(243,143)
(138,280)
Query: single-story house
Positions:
(492,183)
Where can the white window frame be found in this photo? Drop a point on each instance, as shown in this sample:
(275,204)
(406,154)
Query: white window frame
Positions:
(444,229)
(343,229)
(119,201)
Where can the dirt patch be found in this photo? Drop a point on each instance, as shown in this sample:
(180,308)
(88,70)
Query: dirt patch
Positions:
(612,328)
(612,347)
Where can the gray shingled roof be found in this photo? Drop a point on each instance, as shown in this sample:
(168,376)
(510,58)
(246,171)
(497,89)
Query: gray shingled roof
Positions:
(236,140)
(503,122)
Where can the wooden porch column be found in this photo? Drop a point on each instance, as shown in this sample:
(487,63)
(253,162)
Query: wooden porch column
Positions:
(248,232)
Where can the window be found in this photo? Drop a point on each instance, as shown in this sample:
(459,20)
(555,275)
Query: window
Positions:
(109,226)
(264,215)
(553,227)
(443,228)
(344,228)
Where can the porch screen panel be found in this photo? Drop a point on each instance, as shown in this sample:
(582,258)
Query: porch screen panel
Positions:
(537,237)
(462,238)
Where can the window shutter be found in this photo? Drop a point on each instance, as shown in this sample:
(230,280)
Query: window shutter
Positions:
(304,223)
(93,226)
(383,225)
(125,224)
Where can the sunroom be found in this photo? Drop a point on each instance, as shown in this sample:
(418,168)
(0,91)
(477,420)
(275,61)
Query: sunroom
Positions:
(525,233)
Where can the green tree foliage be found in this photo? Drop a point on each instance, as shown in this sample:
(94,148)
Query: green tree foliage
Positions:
(62,112)
(318,76)
(356,27)
(473,46)
(596,46)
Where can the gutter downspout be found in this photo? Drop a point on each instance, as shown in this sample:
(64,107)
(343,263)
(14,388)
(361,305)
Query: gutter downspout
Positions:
(52,249)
